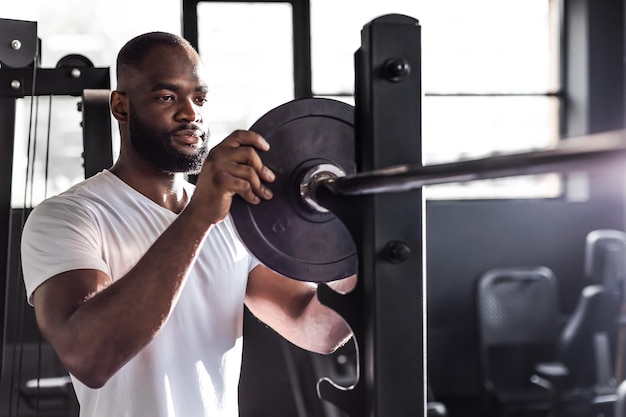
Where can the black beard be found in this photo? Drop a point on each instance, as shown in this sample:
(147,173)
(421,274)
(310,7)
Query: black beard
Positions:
(155,147)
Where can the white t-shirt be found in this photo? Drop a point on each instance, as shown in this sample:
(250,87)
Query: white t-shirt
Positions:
(192,366)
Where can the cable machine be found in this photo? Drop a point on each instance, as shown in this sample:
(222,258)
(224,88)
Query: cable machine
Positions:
(22,77)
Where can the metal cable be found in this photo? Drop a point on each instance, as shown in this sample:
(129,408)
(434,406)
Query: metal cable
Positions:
(45,195)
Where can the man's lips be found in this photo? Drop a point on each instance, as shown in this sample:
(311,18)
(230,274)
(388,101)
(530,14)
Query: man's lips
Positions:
(189,136)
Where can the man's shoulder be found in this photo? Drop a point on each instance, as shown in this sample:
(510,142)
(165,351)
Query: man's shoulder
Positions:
(100,181)
(76,198)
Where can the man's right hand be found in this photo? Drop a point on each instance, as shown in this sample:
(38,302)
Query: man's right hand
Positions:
(233,167)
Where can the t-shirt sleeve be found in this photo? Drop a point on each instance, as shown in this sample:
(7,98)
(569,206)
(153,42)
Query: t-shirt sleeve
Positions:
(58,236)
(254,262)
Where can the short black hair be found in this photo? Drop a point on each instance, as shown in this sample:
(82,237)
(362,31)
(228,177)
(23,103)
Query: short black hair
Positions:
(132,53)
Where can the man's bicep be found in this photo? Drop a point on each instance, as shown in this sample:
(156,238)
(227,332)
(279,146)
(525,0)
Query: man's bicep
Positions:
(57,298)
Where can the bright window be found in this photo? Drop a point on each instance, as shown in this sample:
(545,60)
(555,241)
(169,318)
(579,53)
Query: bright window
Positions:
(489,71)
(489,74)
(248,51)
(97,30)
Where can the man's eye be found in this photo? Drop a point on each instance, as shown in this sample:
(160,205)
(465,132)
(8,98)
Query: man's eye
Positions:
(201,100)
(167,98)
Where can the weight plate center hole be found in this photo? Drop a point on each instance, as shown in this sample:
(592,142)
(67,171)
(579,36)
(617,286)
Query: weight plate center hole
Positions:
(311,180)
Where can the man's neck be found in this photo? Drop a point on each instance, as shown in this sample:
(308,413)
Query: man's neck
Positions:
(165,189)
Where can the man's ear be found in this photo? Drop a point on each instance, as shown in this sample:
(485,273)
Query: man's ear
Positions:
(119,106)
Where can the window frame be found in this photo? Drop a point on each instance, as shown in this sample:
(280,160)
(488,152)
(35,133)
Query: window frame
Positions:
(584,57)
(301,41)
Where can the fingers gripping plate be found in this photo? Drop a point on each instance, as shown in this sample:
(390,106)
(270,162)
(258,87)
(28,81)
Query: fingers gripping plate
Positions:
(286,233)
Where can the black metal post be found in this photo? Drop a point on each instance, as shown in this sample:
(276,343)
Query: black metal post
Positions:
(97,135)
(388,128)
(190,21)
(67,81)
(302,48)
(388,230)
(7,129)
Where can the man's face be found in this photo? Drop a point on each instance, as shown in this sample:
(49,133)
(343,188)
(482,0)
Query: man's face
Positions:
(165,120)
(155,146)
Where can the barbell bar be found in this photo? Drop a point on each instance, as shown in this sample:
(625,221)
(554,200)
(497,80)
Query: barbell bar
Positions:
(572,154)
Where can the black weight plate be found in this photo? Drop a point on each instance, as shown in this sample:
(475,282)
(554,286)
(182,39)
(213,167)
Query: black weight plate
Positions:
(284,233)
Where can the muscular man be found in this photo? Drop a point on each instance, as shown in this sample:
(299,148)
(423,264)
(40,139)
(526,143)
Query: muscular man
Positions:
(137,277)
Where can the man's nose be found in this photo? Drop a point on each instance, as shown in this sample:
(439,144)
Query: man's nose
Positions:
(189,111)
